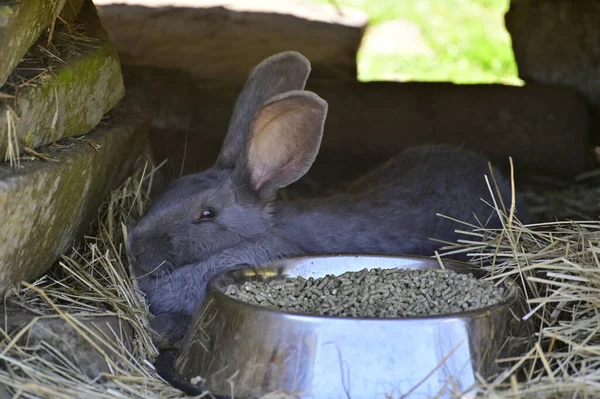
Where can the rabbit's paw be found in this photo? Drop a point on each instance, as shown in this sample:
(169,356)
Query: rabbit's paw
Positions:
(171,327)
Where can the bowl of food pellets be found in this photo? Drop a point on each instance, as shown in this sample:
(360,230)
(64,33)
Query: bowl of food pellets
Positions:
(361,326)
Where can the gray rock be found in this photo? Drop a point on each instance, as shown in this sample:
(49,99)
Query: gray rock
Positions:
(223,40)
(558,42)
(21,23)
(544,128)
(60,334)
(68,100)
(47,205)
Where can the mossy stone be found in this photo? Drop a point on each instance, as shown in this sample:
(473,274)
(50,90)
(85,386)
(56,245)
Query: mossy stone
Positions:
(71,100)
(21,23)
(47,205)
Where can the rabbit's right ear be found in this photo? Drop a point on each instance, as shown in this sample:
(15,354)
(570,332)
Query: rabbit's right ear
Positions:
(277,74)
(284,141)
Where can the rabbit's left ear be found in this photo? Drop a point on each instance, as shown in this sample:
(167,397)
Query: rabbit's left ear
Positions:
(277,74)
(284,141)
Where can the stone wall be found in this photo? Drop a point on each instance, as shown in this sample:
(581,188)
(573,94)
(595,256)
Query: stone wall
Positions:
(64,139)
(558,42)
(223,40)
(189,86)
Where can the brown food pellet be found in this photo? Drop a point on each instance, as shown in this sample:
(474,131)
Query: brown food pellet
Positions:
(381,293)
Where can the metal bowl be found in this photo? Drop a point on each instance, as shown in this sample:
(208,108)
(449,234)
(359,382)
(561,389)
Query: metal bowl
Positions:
(248,351)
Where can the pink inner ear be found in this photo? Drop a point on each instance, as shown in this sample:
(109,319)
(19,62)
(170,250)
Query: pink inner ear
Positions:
(276,143)
(262,180)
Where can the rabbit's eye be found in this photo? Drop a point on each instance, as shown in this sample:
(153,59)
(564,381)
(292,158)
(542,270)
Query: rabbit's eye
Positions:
(206,214)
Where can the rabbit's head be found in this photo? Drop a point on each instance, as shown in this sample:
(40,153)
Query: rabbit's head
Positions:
(272,140)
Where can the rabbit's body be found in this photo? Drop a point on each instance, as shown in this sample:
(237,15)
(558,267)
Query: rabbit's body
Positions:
(371,217)
(226,216)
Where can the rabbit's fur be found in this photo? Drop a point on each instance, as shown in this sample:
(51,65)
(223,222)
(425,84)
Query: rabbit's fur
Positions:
(272,141)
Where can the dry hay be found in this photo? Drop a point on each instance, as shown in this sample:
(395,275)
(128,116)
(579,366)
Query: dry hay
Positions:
(558,267)
(557,263)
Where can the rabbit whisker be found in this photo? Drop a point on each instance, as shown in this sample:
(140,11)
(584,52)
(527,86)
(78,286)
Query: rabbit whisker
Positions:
(216,188)
(185,142)
(151,271)
(226,192)
(169,276)
(232,190)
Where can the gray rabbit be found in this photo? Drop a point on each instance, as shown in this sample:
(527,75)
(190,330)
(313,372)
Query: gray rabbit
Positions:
(227,215)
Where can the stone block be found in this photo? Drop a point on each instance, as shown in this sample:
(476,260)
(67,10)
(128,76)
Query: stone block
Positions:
(544,128)
(558,42)
(60,334)
(223,40)
(47,205)
(70,99)
(21,23)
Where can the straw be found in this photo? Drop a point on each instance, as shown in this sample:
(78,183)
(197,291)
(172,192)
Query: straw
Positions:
(558,267)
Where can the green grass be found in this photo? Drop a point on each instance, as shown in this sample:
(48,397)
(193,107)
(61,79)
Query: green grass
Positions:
(467,38)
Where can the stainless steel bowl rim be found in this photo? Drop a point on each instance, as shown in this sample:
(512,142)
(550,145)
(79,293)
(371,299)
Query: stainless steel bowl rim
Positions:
(511,293)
